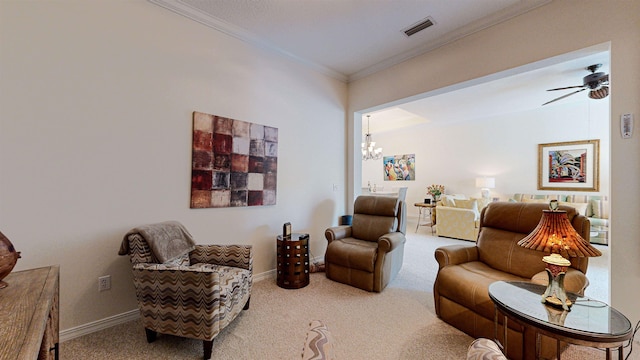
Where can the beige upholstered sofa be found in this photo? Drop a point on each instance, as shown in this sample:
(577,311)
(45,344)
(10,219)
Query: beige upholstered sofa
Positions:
(595,207)
(459,217)
(466,271)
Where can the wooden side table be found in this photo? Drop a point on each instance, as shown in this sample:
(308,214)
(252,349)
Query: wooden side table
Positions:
(29,326)
(293,261)
(425,211)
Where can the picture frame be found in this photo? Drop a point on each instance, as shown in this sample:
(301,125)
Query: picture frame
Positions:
(234,163)
(571,165)
(286,230)
(399,167)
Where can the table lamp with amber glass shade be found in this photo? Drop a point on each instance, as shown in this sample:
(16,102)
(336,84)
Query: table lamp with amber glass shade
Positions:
(556,236)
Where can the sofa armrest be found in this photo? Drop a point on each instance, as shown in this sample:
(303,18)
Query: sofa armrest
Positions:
(388,242)
(455,254)
(337,232)
(239,256)
(575,281)
(599,222)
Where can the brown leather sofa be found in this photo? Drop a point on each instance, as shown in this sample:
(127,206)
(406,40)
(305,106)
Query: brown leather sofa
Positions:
(368,254)
(466,271)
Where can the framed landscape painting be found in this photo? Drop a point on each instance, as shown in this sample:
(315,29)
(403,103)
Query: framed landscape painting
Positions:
(569,165)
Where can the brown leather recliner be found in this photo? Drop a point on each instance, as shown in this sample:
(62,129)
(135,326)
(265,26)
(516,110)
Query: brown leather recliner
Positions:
(368,254)
(466,271)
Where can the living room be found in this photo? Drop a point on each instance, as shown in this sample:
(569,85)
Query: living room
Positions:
(96,132)
(454,151)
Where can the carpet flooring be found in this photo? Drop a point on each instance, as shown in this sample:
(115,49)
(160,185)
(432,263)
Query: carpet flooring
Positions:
(399,323)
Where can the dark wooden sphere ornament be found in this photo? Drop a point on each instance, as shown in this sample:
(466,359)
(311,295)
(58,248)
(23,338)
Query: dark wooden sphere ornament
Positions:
(8,258)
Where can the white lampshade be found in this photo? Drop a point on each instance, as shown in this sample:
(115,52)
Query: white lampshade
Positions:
(486,182)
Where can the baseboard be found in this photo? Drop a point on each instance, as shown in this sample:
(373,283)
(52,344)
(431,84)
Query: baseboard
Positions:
(88,328)
(271,274)
(98,325)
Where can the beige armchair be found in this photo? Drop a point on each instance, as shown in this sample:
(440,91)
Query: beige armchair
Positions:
(458,217)
(368,254)
(195,294)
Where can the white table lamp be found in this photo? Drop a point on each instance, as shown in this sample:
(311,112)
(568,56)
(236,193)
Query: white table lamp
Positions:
(485,183)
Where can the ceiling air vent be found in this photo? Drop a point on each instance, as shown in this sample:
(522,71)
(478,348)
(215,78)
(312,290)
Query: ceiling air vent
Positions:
(415,28)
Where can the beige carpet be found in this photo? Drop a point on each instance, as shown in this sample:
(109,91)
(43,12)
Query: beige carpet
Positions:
(399,323)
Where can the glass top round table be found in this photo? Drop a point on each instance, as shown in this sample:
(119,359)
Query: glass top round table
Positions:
(589,322)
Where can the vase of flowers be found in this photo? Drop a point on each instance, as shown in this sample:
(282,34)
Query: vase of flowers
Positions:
(435,191)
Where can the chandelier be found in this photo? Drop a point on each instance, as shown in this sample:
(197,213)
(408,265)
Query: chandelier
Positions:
(368,150)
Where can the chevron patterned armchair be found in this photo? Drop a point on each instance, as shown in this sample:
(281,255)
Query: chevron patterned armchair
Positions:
(194,295)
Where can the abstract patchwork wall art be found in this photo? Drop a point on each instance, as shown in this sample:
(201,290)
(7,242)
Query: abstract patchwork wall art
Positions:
(234,163)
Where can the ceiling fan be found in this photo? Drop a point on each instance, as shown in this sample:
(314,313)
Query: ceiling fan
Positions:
(596,83)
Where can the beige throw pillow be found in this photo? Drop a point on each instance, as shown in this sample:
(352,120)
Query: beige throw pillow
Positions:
(482,202)
(471,204)
(596,208)
(581,208)
(448,201)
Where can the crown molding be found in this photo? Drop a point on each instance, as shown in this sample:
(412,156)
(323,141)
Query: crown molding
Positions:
(181,8)
(194,14)
(472,28)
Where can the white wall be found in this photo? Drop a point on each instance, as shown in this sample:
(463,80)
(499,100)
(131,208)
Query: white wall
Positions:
(560,27)
(503,147)
(96,100)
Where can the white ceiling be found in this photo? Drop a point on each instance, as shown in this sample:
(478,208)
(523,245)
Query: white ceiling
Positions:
(524,90)
(350,39)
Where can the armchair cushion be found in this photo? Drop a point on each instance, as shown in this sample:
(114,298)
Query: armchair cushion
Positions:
(353,253)
(468,284)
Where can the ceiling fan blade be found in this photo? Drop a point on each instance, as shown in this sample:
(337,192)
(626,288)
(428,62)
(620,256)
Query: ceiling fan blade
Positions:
(568,87)
(564,96)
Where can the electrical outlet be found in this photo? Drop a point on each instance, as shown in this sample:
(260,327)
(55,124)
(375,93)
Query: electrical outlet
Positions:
(104,283)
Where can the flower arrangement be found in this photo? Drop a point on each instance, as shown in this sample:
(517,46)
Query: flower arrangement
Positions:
(435,190)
